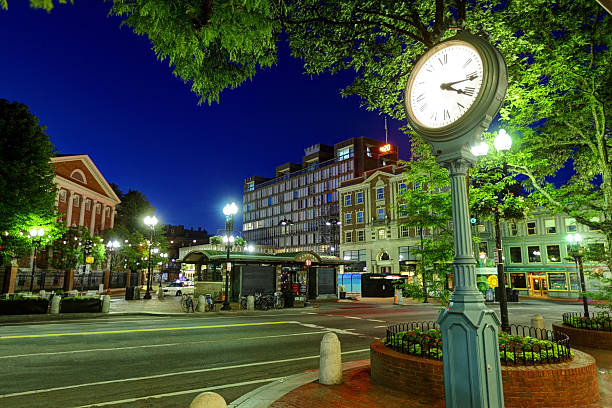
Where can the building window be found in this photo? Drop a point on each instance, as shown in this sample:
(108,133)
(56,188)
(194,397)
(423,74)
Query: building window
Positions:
(359,197)
(270,201)
(248,207)
(62,196)
(76,200)
(347,199)
(381,234)
(345,153)
(531,228)
(513,229)
(483,248)
(570,225)
(515,255)
(78,175)
(250,186)
(368,151)
(348,236)
(359,216)
(550,226)
(380,213)
(553,253)
(517,280)
(380,193)
(404,231)
(403,211)
(348,219)
(296,194)
(402,187)
(361,235)
(330,197)
(98,208)
(88,204)
(534,254)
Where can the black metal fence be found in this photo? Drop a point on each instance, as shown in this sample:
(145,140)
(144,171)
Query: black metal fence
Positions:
(88,281)
(42,280)
(117,280)
(523,346)
(597,321)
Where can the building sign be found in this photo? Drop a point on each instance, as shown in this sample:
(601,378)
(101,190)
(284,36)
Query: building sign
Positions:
(308,262)
(89,259)
(385,148)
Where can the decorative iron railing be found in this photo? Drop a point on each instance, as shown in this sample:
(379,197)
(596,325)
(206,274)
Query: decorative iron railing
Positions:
(597,321)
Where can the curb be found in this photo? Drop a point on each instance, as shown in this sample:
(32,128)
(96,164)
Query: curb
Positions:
(264,396)
(75,316)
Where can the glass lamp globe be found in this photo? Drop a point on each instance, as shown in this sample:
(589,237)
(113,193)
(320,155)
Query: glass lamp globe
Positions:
(502,141)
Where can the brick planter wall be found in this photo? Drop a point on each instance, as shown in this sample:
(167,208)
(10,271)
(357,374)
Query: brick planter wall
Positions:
(586,338)
(569,384)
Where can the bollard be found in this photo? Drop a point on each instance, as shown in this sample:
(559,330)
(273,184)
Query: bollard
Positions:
(537,322)
(42,293)
(160,293)
(330,365)
(250,302)
(105,303)
(208,400)
(55,304)
(136,292)
(201,303)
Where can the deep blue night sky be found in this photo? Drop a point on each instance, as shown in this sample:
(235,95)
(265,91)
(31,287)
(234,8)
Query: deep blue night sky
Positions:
(101,91)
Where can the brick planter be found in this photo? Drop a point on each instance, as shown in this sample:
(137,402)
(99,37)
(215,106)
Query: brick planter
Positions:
(586,338)
(568,384)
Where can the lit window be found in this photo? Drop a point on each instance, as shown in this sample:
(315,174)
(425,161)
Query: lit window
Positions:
(345,153)
(553,253)
(550,226)
(368,151)
(359,216)
(381,234)
(531,228)
(347,199)
(534,254)
(570,225)
(348,219)
(380,193)
(359,197)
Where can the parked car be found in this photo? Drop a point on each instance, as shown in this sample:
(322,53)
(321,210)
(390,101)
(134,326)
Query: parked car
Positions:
(179,288)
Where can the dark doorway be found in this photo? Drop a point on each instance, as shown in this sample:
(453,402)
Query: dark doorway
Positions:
(375,285)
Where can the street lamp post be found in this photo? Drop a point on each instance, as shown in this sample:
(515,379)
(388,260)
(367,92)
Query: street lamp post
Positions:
(284,223)
(502,143)
(151,222)
(36,234)
(577,252)
(164,257)
(229,211)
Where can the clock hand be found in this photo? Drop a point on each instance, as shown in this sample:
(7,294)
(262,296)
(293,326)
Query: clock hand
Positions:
(447,85)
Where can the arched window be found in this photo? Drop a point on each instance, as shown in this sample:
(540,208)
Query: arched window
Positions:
(78,175)
(384,256)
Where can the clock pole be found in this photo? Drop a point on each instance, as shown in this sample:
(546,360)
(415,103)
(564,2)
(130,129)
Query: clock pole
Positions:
(472,370)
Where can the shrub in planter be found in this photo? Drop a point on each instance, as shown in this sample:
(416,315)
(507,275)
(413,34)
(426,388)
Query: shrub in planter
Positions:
(16,305)
(79,304)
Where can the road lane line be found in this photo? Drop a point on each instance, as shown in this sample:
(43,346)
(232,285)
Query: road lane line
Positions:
(162,345)
(353,317)
(331,329)
(378,327)
(180,373)
(374,320)
(177,393)
(23,336)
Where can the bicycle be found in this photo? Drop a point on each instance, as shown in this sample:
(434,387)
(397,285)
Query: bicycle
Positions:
(243,302)
(278,300)
(210,304)
(187,303)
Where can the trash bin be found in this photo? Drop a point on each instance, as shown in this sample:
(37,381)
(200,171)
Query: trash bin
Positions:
(515,295)
(129,293)
(136,292)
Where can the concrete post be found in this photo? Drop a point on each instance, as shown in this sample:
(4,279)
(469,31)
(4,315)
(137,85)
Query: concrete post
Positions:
(250,302)
(137,293)
(472,371)
(55,304)
(105,303)
(538,323)
(208,400)
(330,366)
(160,293)
(201,303)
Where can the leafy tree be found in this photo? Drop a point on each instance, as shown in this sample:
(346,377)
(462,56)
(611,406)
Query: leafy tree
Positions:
(216,240)
(131,211)
(426,204)
(69,250)
(27,189)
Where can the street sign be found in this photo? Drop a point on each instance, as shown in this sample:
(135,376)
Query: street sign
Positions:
(308,262)
(89,259)
(495,256)
(303,288)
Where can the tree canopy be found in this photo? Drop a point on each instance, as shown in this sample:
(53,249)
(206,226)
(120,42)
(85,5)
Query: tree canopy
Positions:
(27,190)
(132,210)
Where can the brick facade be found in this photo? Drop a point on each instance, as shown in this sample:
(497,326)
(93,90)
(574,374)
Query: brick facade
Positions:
(586,338)
(568,384)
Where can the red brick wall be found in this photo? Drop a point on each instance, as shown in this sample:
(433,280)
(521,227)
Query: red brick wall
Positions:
(570,384)
(586,338)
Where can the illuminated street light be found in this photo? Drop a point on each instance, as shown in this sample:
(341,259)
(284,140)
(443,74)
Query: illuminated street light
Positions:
(36,234)
(577,252)
(229,211)
(151,222)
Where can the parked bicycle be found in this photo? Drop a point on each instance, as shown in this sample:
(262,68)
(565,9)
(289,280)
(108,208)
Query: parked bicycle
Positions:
(243,302)
(187,303)
(209,303)
(278,300)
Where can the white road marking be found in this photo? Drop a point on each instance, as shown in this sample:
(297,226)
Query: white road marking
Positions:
(176,393)
(378,327)
(160,345)
(180,373)
(354,317)
(374,320)
(331,329)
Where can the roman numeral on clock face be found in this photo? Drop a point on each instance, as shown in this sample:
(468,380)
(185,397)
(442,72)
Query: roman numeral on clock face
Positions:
(420,97)
(423,106)
(443,59)
(471,75)
(446,114)
(468,91)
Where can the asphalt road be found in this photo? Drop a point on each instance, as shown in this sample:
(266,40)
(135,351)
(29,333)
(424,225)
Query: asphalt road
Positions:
(141,361)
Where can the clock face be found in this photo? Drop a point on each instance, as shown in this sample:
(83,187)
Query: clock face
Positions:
(445,85)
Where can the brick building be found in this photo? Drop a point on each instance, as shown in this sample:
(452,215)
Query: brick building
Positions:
(297,209)
(84,197)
